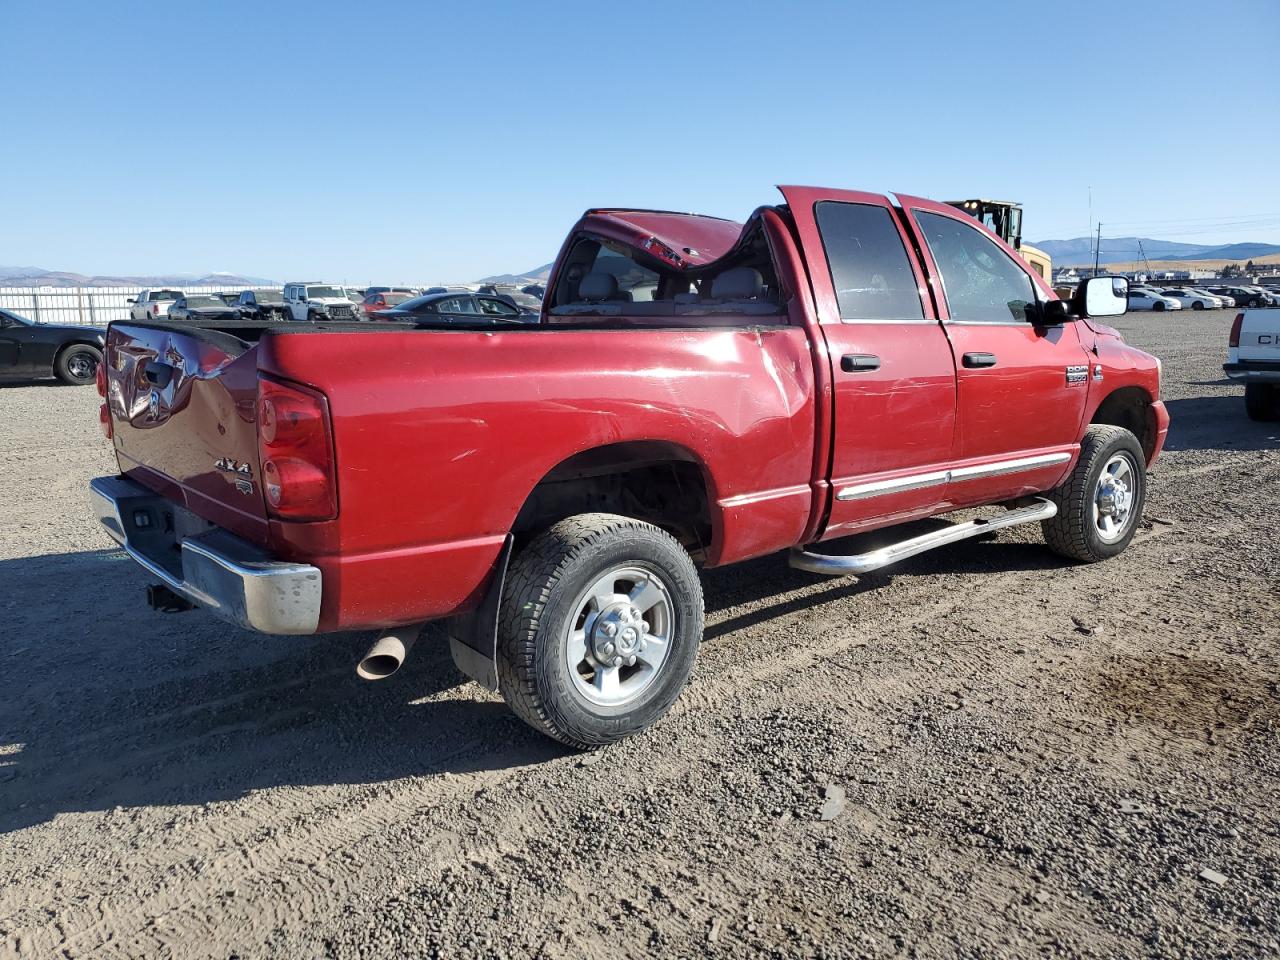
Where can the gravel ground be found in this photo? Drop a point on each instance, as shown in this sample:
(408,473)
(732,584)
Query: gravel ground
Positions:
(981,752)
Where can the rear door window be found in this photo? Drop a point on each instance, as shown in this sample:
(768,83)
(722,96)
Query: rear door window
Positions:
(870,269)
(981,282)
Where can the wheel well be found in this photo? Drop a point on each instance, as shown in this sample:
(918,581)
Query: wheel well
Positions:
(1130,407)
(657,482)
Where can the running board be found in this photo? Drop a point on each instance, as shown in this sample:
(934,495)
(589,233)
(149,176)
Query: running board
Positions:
(875,559)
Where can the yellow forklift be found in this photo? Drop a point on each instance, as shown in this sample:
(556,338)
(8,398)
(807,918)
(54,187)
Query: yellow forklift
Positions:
(1004,219)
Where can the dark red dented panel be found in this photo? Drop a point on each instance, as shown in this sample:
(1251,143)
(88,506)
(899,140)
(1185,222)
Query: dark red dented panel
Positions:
(442,435)
(171,434)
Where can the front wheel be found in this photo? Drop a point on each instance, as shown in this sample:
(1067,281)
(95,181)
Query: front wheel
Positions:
(599,628)
(1262,401)
(1197,305)
(1100,504)
(78,364)
(1157,306)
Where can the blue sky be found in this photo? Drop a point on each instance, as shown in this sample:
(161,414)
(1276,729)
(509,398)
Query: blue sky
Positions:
(443,141)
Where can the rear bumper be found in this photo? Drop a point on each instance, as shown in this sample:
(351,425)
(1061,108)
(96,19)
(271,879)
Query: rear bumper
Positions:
(229,577)
(1254,371)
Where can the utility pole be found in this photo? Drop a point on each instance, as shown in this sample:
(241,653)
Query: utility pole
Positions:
(1097,249)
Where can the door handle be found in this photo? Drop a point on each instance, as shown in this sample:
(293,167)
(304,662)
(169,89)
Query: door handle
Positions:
(859,362)
(979,360)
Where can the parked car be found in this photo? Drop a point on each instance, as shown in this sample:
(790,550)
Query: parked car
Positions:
(1253,358)
(1189,298)
(535,290)
(375,303)
(1241,296)
(1270,298)
(318,301)
(1223,301)
(262,305)
(841,363)
(32,350)
(460,308)
(202,306)
(152,304)
(1143,299)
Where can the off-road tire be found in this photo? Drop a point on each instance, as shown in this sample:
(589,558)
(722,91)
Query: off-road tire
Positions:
(66,364)
(1072,533)
(543,584)
(1262,401)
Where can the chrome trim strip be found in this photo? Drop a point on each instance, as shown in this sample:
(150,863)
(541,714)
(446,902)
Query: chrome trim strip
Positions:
(1002,467)
(919,481)
(879,488)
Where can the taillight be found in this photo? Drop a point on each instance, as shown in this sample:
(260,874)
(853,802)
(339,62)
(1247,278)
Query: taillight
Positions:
(295,448)
(104,421)
(1235,330)
(100,378)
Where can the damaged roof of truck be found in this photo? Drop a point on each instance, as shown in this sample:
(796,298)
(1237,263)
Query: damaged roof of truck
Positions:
(681,240)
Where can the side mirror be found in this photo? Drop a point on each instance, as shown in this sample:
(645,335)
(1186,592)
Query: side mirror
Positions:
(1102,297)
(132,300)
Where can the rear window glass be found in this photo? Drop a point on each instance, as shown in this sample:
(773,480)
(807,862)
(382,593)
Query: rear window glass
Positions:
(870,271)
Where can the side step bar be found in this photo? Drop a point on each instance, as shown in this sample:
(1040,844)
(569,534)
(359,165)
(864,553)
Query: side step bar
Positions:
(875,559)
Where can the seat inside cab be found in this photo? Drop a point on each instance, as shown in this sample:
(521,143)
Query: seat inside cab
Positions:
(602,278)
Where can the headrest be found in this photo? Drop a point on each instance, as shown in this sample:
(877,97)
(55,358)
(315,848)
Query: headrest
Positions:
(740,283)
(598,286)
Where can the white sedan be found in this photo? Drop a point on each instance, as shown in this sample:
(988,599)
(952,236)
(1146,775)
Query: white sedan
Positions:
(1151,300)
(1196,301)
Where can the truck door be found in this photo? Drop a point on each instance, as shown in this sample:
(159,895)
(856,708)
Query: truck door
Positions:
(891,368)
(1022,387)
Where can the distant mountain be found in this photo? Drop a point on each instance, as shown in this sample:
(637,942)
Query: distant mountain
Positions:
(536,274)
(1079,251)
(39,277)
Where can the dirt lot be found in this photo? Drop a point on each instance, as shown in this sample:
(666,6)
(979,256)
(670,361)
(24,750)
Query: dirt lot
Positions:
(1036,758)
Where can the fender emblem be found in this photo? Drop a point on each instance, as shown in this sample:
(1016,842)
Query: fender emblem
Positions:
(227,465)
(1077,374)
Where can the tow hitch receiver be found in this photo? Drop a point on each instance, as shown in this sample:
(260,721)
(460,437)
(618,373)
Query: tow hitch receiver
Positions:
(160,597)
(875,559)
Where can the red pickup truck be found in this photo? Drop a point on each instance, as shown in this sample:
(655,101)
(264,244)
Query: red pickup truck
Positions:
(695,392)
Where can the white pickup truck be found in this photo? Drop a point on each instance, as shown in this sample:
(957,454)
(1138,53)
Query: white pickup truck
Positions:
(152,304)
(1253,357)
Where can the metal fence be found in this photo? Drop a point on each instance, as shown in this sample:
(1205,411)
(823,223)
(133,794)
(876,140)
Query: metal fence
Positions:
(90,306)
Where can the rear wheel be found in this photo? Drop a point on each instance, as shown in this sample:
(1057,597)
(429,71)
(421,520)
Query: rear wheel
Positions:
(1262,401)
(599,628)
(78,364)
(1100,504)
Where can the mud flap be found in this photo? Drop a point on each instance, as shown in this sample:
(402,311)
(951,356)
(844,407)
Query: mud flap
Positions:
(473,637)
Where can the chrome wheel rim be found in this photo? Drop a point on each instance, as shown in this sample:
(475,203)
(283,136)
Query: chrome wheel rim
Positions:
(80,366)
(620,636)
(1113,498)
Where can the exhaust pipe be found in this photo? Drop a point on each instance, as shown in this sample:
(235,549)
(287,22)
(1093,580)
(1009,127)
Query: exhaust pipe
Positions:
(388,653)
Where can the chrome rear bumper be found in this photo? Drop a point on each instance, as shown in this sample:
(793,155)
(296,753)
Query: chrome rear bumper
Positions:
(229,577)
